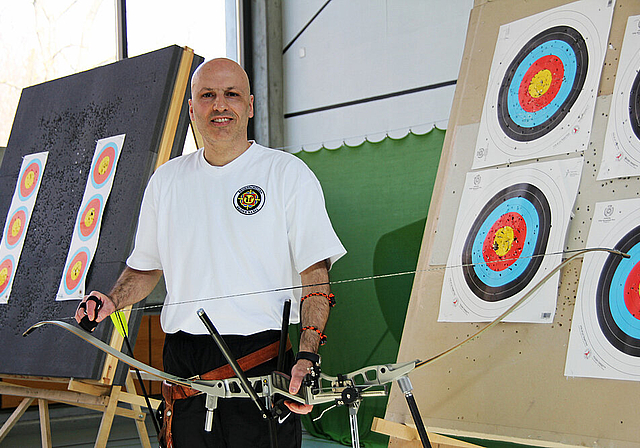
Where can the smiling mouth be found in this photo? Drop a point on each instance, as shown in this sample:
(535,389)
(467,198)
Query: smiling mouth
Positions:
(221,120)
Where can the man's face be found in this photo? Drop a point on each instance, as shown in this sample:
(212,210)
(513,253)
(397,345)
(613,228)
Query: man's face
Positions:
(221,103)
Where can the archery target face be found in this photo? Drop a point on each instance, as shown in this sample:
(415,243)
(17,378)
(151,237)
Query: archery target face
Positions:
(617,298)
(103,165)
(508,222)
(500,254)
(605,336)
(86,233)
(7,266)
(90,216)
(16,228)
(543,84)
(29,180)
(75,271)
(621,153)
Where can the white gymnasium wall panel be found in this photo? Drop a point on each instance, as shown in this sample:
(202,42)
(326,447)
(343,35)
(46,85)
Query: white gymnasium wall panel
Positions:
(354,52)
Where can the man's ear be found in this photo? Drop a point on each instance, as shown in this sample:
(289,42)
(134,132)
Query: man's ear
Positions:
(191,111)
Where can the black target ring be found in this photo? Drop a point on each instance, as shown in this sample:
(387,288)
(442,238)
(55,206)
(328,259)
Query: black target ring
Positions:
(531,259)
(634,105)
(616,335)
(556,113)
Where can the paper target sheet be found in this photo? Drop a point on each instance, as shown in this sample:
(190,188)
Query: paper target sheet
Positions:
(86,231)
(621,153)
(605,333)
(510,231)
(18,218)
(543,84)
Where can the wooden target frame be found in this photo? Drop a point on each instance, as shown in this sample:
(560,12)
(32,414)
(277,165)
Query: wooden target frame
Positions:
(509,384)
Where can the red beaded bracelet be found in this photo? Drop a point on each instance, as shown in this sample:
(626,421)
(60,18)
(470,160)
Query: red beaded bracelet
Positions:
(330,297)
(323,337)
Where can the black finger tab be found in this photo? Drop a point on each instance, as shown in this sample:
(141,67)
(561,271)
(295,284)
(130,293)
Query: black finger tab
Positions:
(90,324)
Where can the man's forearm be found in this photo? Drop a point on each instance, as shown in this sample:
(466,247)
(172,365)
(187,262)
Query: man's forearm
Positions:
(133,286)
(315,309)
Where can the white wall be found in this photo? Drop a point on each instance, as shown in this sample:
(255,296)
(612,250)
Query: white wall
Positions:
(359,49)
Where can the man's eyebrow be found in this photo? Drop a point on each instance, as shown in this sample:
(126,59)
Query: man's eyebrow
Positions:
(209,89)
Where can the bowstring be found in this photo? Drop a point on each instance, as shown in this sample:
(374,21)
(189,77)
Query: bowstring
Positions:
(339,282)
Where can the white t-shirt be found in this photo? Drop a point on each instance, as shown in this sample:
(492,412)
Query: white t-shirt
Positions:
(249,226)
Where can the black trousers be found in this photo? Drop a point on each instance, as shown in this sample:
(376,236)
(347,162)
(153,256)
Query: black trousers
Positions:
(237,423)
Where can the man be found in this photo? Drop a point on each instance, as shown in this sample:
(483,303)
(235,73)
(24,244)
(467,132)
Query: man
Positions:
(229,219)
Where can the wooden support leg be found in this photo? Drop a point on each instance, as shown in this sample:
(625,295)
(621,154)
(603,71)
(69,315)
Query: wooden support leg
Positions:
(45,425)
(107,418)
(140,425)
(14,417)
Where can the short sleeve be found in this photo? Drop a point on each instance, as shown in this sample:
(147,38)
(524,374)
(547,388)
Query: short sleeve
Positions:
(311,234)
(146,255)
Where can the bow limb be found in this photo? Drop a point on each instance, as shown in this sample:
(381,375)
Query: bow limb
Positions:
(113,352)
(521,301)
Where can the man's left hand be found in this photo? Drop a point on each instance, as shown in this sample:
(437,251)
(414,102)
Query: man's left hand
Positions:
(298,372)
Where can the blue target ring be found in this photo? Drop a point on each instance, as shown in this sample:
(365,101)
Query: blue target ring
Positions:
(528,201)
(618,325)
(564,43)
(531,119)
(482,269)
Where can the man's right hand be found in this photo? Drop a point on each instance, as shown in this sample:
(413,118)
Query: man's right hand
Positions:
(89,308)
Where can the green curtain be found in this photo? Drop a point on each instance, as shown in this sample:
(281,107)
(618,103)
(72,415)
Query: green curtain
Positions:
(377,196)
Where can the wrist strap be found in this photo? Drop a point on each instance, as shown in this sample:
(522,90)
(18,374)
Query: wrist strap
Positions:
(309,356)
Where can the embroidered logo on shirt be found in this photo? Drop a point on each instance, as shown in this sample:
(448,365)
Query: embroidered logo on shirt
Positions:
(249,200)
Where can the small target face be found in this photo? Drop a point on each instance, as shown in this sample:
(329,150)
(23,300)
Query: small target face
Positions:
(29,180)
(16,228)
(6,272)
(542,83)
(103,166)
(75,270)
(618,298)
(504,247)
(89,218)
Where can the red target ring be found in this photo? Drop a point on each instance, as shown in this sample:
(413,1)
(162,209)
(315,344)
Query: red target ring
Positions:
(17,224)
(89,218)
(632,292)
(103,166)
(541,83)
(75,270)
(6,271)
(504,242)
(29,180)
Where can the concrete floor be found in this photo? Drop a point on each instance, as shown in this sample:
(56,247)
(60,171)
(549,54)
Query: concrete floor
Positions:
(73,427)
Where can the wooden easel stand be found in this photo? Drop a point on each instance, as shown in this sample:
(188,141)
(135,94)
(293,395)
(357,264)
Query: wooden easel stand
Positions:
(96,397)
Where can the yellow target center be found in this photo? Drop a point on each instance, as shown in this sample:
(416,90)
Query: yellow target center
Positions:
(29,179)
(540,83)
(75,271)
(503,240)
(4,273)
(104,165)
(15,228)
(89,217)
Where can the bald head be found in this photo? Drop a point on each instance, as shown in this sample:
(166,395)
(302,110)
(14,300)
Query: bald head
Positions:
(225,68)
(221,105)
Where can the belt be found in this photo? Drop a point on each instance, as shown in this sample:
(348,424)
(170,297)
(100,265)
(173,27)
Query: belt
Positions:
(172,392)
